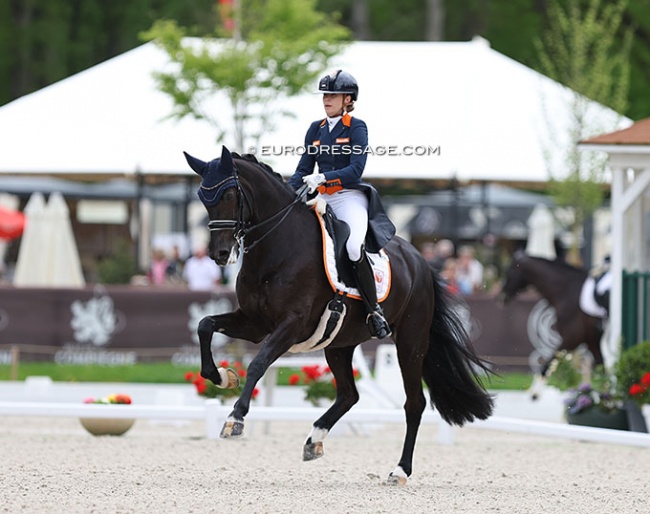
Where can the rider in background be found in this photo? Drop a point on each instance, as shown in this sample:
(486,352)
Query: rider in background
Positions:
(338,145)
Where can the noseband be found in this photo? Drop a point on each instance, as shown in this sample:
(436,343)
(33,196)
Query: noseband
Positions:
(243,227)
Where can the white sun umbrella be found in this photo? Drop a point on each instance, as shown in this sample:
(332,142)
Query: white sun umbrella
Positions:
(63,266)
(541,234)
(30,266)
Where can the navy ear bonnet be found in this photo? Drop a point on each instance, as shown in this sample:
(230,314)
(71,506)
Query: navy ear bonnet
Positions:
(218,176)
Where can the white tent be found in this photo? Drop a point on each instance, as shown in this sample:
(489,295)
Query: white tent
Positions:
(491,117)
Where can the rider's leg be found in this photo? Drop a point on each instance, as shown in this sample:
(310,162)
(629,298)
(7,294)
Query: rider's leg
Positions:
(351,206)
(366,283)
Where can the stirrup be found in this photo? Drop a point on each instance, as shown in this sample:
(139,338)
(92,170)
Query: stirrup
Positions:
(378,325)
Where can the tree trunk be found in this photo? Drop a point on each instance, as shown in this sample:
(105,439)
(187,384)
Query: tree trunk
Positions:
(360,22)
(435,21)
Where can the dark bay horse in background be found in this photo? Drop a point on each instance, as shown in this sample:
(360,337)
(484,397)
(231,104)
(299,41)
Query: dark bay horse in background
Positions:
(560,284)
(282,292)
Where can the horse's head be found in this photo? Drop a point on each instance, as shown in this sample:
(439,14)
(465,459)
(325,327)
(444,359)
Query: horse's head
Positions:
(515,280)
(221,194)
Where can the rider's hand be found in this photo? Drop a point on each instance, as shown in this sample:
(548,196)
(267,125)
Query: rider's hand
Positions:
(313,181)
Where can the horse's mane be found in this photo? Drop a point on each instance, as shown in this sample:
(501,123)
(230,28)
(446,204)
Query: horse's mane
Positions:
(250,158)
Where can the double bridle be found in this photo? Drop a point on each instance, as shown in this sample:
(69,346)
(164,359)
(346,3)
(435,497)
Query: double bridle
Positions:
(243,227)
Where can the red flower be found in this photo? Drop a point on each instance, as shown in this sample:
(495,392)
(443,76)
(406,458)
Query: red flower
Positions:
(645,380)
(224,364)
(237,365)
(312,372)
(189,376)
(201,386)
(355,373)
(123,398)
(636,389)
(241,373)
(294,379)
(256,391)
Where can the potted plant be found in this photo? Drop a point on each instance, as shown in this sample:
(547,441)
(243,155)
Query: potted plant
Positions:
(630,369)
(319,383)
(592,403)
(207,389)
(640,394)
(108,426)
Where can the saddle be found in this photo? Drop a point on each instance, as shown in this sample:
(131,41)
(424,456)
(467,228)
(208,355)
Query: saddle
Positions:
(338,267)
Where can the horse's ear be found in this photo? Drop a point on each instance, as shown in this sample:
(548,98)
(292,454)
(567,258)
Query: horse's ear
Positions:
(226,165)
(196,164)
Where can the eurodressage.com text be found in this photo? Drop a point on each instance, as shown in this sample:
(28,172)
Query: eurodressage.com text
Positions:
(390,151)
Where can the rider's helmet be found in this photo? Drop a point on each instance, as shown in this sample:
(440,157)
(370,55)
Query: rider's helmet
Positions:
(339,81)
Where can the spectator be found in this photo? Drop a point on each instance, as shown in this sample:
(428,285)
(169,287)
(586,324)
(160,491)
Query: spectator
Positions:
(200,272)
(444,250)
(158,269)
(448,275)
(428,251)
(469,271)
(175,266)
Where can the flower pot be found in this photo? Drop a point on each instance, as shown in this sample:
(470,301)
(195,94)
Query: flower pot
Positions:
(645,410)
(106,426)
(595,417)
(635,417)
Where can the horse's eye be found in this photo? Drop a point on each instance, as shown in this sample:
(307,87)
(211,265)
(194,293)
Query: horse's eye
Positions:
(228,196)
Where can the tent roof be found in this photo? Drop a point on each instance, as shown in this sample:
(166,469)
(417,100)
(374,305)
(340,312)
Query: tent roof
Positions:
(637,134)
(487,113)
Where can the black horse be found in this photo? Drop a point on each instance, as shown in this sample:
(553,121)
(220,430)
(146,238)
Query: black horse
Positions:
(283,291)
(560,284)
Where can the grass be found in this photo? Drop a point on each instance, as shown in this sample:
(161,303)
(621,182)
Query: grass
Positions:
(166,373)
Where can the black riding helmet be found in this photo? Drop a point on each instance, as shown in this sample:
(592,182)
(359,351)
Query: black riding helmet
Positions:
(339,81)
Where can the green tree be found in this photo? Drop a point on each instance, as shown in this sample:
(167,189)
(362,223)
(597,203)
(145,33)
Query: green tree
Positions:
(284,46)
(581,50)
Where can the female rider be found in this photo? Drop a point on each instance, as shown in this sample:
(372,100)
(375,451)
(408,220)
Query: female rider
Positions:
(338,144)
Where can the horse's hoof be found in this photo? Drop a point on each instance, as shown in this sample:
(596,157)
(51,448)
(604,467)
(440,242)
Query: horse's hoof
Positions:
(312,451)
(232,429)
(229,378)
(396,480)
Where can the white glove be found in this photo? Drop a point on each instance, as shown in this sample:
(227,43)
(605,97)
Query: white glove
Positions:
(313,181)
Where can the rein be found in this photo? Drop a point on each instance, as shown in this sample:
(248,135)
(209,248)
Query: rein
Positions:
(242,228)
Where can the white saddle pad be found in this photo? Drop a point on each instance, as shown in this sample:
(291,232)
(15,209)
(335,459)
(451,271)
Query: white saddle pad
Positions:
(380,265)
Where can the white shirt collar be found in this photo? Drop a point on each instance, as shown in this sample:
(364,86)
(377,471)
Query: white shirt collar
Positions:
(331,122)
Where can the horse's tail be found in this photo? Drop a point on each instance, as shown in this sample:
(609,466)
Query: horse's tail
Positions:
(451,366)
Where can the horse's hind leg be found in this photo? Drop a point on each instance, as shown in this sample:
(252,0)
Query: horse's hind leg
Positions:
(340,362)
(410,360)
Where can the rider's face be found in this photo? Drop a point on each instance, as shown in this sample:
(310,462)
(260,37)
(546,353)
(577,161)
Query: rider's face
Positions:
(333,103)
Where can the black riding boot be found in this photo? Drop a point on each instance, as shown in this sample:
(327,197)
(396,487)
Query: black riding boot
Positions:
(366,283)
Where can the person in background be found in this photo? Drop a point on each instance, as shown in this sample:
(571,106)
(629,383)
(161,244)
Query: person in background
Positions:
(200,272)
(175,266)
(444,250)
(448,275)
(469,271)
(157,274)
(428,251)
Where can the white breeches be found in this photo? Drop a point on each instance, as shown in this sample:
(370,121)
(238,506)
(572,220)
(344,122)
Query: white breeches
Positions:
(351,206)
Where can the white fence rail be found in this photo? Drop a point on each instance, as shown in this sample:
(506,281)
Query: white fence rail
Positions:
(215,414)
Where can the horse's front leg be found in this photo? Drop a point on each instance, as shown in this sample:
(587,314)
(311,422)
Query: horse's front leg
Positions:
(234,324)
(275,345)
(340,363)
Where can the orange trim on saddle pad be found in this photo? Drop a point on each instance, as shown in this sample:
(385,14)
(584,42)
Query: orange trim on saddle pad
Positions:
(332,276)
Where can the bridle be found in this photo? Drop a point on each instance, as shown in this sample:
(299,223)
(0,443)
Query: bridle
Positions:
(242,227)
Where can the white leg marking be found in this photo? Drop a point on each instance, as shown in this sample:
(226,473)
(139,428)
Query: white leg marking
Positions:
(317,435)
